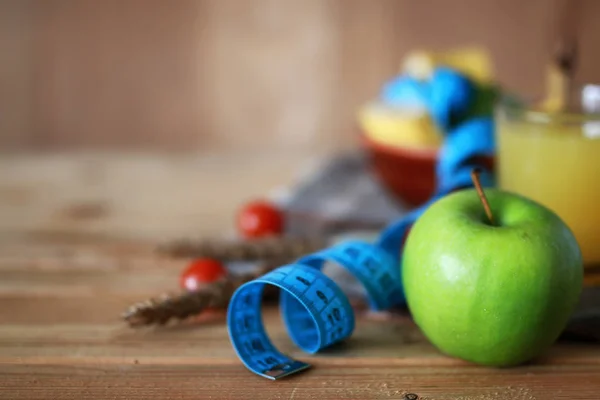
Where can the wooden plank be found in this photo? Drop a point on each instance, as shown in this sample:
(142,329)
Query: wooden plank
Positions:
(88,283)
(16,66)
(348,381)
(62,291)
(259,73)
(109,337)
(397,341)
(141,196)
(382,360)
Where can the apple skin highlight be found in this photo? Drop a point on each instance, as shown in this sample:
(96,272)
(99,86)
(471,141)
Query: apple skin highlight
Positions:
(493,295)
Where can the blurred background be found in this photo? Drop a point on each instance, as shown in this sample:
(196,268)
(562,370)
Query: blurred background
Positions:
(255,87)
(212,75)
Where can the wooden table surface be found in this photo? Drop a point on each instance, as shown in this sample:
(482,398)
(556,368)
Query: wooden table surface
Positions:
(64,285)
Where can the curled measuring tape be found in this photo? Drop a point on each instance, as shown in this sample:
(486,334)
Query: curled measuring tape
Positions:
(315,311)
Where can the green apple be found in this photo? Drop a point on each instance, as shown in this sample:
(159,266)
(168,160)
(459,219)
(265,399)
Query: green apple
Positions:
(498,294)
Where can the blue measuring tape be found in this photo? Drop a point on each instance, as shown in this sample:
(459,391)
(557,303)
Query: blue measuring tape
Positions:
(315,311)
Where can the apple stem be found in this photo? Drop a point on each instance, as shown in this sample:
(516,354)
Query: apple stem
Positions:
(488,211)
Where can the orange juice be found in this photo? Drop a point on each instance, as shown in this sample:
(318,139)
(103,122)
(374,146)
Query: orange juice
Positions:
(555,160)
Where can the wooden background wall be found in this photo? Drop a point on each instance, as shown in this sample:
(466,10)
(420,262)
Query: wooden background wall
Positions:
(214,74)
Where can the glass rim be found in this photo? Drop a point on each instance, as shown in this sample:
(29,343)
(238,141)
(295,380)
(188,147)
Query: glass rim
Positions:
(526,111)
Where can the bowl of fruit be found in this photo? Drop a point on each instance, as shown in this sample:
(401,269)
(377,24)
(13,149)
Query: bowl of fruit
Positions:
(402,155)
(403,138)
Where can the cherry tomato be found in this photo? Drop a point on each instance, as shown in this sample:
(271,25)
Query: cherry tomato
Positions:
(259,219)
(200,272)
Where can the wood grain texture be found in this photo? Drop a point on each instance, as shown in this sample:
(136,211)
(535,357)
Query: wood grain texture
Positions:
(62,291)
(209,74)
(16,73)
(138,195)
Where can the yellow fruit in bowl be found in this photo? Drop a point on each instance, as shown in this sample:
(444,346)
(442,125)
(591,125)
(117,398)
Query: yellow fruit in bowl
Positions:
(411,125)
(474,62)
(399,127)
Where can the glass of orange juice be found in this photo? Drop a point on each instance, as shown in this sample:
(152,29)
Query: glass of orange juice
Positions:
(554,158)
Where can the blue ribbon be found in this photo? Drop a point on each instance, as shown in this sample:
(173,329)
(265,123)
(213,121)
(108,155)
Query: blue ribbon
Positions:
(448,96)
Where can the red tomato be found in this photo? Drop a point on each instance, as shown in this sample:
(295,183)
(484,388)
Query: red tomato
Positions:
(259,219)
(200,272)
